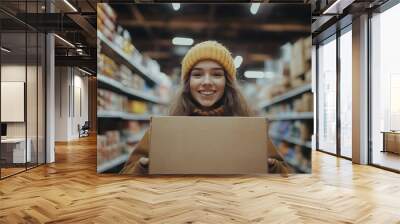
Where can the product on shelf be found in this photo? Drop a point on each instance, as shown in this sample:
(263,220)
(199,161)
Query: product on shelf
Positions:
(305,132)
(159,109)
(110,101)
(133,126)
(293,130)
(108,67)
(307,44)
(152,66)
(136,107)
(300,161)
(308,76)
(277,90)
(284,148)
(297,59)
(296,82)
(286,77)
(133,132)
(121,73)
(124,41)
(307,102)
(138,82)
(112,137)
(106,19)
(109,146)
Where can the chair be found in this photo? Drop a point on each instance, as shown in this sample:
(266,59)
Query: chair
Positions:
(84,130)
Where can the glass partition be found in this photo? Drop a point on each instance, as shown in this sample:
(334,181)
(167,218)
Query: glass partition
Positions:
(13,108)
(22,88)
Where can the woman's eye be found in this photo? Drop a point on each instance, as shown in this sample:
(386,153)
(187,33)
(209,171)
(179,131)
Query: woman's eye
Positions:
(218,74)
(196,75)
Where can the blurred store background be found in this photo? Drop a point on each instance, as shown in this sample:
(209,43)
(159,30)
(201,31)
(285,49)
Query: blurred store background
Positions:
(140,47)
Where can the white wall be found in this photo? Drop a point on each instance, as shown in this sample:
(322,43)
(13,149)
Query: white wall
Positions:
(61,104)
(71,93)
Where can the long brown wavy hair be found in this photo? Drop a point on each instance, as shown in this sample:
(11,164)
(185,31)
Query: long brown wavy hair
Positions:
(233,101)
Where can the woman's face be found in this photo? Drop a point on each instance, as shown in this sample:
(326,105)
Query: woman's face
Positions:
(207,82)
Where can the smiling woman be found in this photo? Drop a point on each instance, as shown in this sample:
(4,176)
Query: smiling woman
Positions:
(209,85)
(209,88)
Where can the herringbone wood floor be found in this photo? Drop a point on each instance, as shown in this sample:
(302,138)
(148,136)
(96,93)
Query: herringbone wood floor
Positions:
(70,191)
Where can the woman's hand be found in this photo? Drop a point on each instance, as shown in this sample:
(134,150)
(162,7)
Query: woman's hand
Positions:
(142,166)
(274,165)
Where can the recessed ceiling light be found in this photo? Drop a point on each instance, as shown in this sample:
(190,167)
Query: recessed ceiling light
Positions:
(254,8)
(182,41)
(5,49)
(65,41)
(238,61)
(176,6)
(254,74)
(70,5)
(335,7)
(84,71)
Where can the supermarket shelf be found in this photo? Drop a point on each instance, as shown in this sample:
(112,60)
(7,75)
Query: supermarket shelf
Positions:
(122,115)
(113,163)
(292,140)
(286,96)
(131,92)
(291,116)
(294,164)
(127,59)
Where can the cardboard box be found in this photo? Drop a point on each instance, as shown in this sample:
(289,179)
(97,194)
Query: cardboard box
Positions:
(297,65)
(305,133)
(307,44)
(308,76)
(298,105)
(208,145)
(296,82)
(307,102)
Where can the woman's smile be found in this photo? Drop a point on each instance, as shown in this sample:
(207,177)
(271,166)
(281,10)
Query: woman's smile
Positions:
(207,92)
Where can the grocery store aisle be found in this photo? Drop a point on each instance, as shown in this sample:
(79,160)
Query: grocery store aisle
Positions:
(71,191)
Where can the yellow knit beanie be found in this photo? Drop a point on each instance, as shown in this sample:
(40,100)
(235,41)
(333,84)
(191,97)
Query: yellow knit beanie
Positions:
(211,50)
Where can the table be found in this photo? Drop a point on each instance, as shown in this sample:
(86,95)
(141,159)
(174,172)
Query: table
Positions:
(13,150)
(391,141)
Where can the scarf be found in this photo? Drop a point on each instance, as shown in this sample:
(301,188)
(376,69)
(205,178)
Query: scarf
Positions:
(219,111)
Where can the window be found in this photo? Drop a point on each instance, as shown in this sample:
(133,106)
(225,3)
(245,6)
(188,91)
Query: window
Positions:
(385,88)
(327,95)
(346,93)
